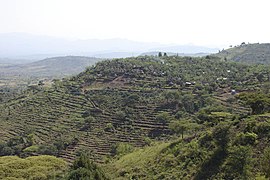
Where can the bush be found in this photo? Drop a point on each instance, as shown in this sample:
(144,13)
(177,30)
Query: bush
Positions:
(7,151)
(179,127)
(238,164)
(121,149)
(163,117)
(34,148)
(36,167)
(221,135)
(265,162)
(259,102)
(47,150)
(263,129)
(246,139)
(84,169)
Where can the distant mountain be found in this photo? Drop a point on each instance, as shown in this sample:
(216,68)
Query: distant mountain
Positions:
(247,53)
(9,61)
(36,47)
(51,67)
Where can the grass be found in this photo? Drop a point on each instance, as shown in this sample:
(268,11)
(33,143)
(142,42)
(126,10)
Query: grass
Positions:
(135,161)
(33,148)
(35,167)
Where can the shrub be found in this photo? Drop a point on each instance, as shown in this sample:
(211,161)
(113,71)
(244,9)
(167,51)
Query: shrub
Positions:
(246,139)
(265,162)
(84,169)
(238,164)
(263,129)
(36,167)
(163,117)
(121,149)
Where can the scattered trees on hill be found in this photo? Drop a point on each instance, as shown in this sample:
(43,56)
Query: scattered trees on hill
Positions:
(259,102)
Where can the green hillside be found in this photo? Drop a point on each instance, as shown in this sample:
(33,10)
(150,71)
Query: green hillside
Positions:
(247,53)
(233,150)
(148,118)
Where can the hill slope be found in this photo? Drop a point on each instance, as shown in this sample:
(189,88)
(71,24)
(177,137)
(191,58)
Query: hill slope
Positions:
(117,105)
(248,53)
(226,151)
(58,67)
(68,65)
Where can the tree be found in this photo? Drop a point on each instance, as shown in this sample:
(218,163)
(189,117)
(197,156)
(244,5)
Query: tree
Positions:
(265,162)
(87,122)
(132,99)
(7,151)
(260,77)
(160,54)
(221,135)
(245,139)
(238,164)
(258,102)
(41,83)
(182,126)
(179,127)
(121,149)
(171,96)
(163,117)
(84,169)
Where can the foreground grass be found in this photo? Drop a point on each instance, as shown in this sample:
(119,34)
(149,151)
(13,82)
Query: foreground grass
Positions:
(138,161)
(35,167)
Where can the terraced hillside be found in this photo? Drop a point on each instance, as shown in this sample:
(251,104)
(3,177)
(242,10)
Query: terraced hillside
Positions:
(131,101)
(51,115)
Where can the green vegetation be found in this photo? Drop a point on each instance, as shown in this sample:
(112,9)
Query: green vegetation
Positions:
(215,154)
(247,53)
(147,117)
(84,169)
(36,167)
(259,102)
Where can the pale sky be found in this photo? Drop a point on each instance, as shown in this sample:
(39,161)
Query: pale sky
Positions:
(200,22)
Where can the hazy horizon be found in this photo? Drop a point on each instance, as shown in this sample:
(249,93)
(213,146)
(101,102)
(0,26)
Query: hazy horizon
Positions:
(204,23)
(36,47)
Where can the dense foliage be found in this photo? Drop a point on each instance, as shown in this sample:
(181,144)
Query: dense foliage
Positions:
(84,169)
(36,167)
(164,117)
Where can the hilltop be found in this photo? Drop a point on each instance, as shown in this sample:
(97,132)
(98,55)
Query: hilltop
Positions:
(247,53)
(179,113)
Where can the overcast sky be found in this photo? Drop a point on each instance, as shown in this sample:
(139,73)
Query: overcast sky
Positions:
(200,22)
